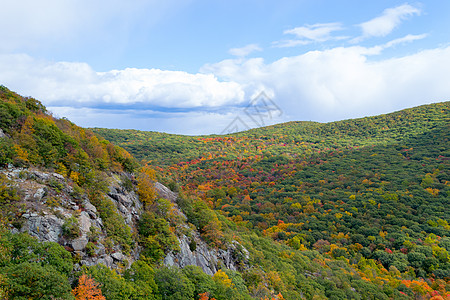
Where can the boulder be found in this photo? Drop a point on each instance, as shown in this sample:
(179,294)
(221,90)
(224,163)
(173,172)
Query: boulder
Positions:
(84,223)
(118,256)
(165,192)
(79,244)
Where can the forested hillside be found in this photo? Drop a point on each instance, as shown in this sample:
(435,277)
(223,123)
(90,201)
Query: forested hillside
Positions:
(356,209)
(370,197)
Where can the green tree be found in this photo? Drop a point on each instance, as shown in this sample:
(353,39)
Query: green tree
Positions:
(173,284)
(32,281)
(143,277)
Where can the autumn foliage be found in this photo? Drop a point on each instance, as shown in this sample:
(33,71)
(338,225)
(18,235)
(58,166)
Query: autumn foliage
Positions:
(146,190)
(87,289)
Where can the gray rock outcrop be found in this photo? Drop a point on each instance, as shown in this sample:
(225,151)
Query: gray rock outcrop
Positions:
(50,201)
(44,227)
(210,260)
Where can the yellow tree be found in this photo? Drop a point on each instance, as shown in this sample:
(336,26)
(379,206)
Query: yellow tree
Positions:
(222,278)
(146,191)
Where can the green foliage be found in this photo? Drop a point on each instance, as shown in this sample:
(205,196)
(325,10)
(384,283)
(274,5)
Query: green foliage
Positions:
(39,139)
(90,249)
(70,228)
(202,283)
(173,284)
(34,270)
(113,286)
(7,152)
(19,248)
(142,275)
(137,283)
(156,237)
(34,281)
(8,198)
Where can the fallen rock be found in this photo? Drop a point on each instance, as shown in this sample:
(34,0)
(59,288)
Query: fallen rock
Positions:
(89,207)
(106,260)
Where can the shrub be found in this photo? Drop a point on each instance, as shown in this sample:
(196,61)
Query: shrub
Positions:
(70,228)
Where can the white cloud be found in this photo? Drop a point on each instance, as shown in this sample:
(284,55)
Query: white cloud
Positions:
(244,51)
(406,39)
(317,32)
(77,84)
(290,43)
(388,21)
(375,50)
(307,34)
(344,82)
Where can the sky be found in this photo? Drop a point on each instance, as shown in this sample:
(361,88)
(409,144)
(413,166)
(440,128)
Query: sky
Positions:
(216,66)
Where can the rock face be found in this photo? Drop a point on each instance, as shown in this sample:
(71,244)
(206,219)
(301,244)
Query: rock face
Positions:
(50,202)
(45,227)
(185,257)
(210,260)
(194,251)
(2,134)
(127,202)
(165,192)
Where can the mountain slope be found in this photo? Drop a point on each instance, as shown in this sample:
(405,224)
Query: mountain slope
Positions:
(373,191)
(72,203)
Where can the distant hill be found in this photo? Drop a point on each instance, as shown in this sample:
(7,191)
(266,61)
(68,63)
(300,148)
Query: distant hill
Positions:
(283,138)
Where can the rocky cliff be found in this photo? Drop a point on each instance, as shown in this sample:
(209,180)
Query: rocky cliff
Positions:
(194,251)
(52,209)
(51,206)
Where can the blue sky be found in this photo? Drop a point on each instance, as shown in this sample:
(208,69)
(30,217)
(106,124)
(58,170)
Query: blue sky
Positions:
(192,67)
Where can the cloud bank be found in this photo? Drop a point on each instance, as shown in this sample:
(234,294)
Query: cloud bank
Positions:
(77,84)
(337,83)
(345,82)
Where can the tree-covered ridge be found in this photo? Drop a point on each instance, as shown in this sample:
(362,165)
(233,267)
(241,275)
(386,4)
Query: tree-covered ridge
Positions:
(36,138)
(372,192)
(164,149)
